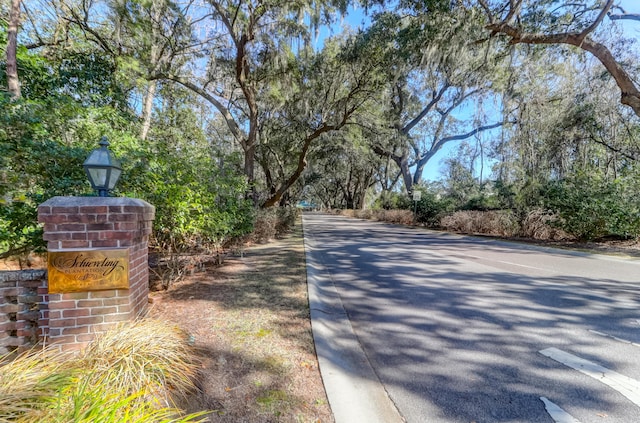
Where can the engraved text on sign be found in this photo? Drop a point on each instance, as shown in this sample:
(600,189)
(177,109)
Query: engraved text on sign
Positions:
(88,270)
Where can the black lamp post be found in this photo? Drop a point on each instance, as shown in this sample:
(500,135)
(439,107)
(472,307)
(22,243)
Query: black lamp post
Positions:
(103,169)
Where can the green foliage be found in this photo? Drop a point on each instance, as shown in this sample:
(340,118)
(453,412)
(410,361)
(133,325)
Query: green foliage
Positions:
(432,207)
(591,207)
(391,200)
(490,196)
(198,191)
(33,168)
(429,210)
(69,103)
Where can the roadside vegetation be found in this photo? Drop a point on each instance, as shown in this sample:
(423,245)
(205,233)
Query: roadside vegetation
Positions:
(581,208)
(212,128)
(134,372)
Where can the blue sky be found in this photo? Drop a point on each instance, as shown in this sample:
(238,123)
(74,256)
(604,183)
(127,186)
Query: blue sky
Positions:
(631,28)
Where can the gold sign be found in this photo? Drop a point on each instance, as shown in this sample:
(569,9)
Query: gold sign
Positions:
(90,270)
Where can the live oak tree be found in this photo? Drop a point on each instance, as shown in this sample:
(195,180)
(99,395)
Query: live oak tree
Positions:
(250,49)
(565,23)
(329,91)
(345,171)
(441,72)
(82,71)
(573,124)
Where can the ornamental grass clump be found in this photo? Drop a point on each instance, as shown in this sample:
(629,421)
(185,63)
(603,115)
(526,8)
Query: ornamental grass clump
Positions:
(128,374)
(148,355)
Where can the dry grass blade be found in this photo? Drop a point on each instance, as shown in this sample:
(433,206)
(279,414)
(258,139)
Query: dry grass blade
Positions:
(127,374)
(148,355)
(29,382)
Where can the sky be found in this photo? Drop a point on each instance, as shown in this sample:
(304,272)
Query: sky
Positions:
(631,28)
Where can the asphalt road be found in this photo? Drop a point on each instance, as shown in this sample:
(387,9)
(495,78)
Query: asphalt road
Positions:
(467,329)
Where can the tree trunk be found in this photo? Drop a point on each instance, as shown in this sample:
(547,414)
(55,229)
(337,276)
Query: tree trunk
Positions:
(13,83)
(302,164)
(249,167)
(148,108)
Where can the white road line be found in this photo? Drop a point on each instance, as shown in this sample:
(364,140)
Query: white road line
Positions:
(626,341)
(628,387)
(504,262)
(557,414)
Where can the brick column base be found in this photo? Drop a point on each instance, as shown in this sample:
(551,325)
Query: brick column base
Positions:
(94,223)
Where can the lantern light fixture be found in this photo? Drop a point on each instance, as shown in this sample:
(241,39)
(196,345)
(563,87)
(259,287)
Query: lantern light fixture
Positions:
(102,168)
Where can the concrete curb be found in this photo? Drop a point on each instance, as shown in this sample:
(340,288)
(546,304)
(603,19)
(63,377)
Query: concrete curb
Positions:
(354,391)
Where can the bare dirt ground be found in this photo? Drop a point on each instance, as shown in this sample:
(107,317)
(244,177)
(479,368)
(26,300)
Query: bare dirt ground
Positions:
(249,321)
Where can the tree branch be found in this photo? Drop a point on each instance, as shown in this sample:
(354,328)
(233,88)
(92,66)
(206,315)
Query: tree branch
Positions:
(630,94)
(620,16)
(230,121)
(436,98)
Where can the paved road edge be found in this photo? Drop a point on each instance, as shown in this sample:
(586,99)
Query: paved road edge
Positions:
(354,391)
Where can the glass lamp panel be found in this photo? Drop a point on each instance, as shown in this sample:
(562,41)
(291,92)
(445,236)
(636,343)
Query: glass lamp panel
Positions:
(115,175)
(98,177)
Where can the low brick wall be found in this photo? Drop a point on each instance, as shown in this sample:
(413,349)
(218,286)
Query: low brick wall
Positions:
(24,319)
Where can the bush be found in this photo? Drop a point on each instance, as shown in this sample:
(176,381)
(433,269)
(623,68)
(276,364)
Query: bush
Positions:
(389,200)
(543,224)
(401,217)
(497,223)
(591,208)
(287,217)
(264,227)
(431,208)
(34,168)
(272,222)
(347,213)
(363,214)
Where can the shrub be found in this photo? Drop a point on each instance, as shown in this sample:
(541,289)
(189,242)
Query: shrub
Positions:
(264,227)
(431,208)
(542,224)
(402,217)
(286,219)
(392,201)
(498,223)
(272,222)
(347,213)
(590,207)
(363,214)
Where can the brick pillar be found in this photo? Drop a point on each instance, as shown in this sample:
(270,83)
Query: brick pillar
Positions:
(93,224)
